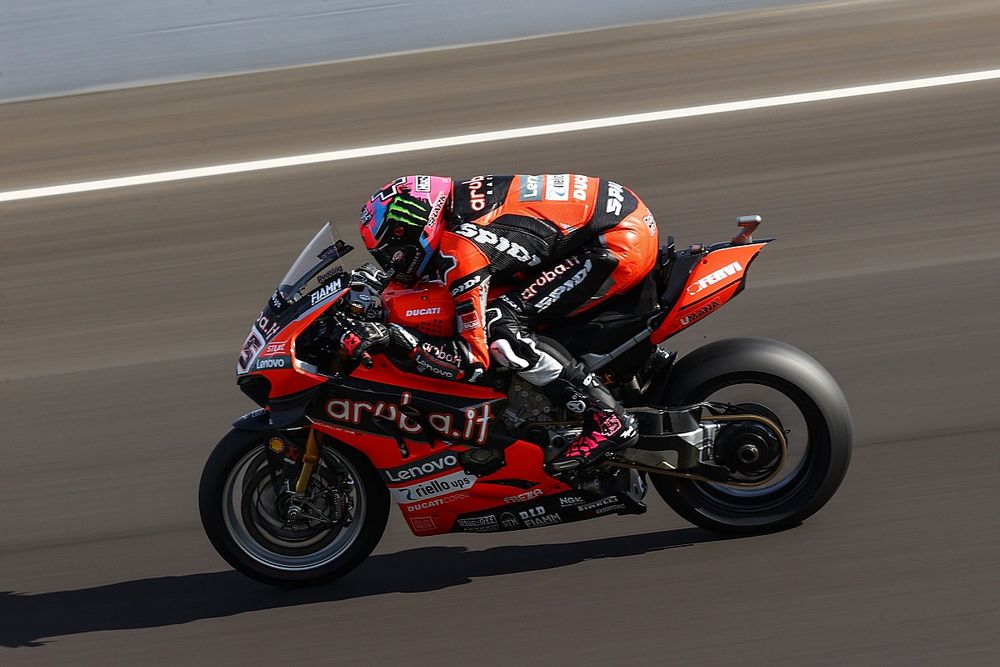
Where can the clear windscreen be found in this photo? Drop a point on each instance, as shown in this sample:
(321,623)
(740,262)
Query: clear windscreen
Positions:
(307,272)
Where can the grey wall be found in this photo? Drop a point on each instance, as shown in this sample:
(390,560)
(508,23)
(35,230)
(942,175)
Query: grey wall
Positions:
(50,47)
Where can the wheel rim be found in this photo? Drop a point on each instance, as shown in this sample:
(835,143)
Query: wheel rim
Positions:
(253,517)
(794,414)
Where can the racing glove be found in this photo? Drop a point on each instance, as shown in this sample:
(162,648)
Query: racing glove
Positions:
(359,337)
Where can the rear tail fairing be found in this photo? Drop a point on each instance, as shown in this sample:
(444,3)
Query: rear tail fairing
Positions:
(699,281)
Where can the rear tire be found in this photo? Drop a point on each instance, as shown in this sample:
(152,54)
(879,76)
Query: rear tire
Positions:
(252,538)
(813,391)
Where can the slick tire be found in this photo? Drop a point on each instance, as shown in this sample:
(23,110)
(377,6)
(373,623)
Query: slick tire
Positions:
(816,395)
(245,547)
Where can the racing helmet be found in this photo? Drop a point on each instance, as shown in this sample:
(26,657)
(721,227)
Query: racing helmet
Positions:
(402,224)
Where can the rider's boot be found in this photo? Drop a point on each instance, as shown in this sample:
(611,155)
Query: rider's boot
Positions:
(607,427)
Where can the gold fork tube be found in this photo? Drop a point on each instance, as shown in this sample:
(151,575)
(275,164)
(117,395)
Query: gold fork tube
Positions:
(309,461)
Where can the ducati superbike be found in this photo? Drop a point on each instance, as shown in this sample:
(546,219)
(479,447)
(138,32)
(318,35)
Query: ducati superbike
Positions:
(743,435)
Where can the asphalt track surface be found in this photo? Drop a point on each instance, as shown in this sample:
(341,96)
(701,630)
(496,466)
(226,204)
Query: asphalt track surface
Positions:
(123,310)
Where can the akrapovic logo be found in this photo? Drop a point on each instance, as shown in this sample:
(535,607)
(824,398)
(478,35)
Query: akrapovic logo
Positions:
(417,312)
(714,277)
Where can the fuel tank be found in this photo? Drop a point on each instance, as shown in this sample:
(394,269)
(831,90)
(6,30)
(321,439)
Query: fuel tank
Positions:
(426,307)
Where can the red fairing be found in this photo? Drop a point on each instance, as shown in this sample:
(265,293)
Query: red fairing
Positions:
(290,377)
(428,308)
(717,278)
(432,489)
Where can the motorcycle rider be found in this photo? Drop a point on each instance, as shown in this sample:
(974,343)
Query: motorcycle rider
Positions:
(566,242)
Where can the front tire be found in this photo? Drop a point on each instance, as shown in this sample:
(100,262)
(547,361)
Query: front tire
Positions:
(796,379)
(242,518)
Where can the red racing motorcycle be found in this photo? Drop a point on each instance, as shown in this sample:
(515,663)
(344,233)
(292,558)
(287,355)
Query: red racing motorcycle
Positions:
(744,435)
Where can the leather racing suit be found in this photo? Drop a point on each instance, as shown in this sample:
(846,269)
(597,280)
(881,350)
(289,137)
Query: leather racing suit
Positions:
(562,244)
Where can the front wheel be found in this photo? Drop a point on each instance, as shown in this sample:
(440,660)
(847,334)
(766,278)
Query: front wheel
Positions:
(774,379)
(244,510)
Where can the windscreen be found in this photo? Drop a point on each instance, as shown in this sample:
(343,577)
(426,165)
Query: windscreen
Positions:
(307,271)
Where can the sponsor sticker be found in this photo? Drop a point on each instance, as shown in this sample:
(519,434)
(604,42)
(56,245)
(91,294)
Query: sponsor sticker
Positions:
(470,424)
(523,497)
(486,237)
(479,524)
(422,524)
(557,187)
(700,313)
(575,280)
(616,197)
(531,188)
(419,312)
(714,277)
(544,520)
(426,467)
(325,292)
(423,184)
(435,502)
(251,345)
(479,188)
(432,488)
(650,223)
(274,349)
(603,502)
(272,363)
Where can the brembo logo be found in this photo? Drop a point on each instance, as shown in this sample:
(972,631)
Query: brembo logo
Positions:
(714,277)
(417,312)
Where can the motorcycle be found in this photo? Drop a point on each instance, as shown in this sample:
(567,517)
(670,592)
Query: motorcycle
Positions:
(740,436)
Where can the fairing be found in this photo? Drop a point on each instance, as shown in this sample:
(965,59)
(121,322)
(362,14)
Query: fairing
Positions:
(718,276)
(417,430)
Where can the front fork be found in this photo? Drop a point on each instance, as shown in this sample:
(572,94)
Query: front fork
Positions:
(286,456)
(309,460)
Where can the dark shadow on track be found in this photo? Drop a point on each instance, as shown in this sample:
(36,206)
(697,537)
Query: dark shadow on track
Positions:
(147,603)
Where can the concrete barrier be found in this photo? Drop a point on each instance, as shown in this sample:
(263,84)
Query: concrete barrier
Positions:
(63,46)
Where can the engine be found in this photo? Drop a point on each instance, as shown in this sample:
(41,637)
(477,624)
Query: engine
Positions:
(532,416)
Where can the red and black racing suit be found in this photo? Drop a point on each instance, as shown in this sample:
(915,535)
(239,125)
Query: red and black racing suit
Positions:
(566,242)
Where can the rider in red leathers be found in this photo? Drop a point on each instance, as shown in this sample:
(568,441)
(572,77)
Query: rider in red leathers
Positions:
(566,242)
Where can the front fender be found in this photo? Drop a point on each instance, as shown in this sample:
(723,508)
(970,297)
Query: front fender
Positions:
(258,420)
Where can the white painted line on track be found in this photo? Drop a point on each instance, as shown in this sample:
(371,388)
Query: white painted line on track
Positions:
(499,135)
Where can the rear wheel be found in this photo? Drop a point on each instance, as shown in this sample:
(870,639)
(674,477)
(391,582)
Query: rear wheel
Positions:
(783,384)
(247,514)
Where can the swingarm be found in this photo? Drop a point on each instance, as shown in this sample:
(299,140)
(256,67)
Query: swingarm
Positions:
(741,445)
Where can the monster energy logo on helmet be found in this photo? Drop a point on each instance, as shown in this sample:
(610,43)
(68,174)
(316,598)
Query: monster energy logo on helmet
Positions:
(408,211)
